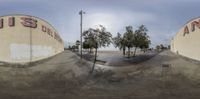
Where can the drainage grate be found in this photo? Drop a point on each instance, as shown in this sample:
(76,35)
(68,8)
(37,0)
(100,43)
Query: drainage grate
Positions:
(166,68)
(166,65)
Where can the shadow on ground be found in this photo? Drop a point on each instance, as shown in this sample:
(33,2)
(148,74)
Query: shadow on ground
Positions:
(66,77)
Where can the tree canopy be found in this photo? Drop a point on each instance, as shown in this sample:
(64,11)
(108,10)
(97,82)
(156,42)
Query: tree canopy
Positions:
(119,42)
(96,38)
(130,39)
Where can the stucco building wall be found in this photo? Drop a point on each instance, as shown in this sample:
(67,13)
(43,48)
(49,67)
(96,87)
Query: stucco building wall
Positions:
(187,41)
(23,42)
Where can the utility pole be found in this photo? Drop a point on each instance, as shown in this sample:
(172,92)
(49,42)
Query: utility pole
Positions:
(81,30)
(31,43)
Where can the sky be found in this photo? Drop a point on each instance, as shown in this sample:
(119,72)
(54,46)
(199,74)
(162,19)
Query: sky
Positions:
(163,18)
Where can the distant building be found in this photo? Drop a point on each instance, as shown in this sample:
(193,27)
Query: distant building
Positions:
(26,38)
(187,41)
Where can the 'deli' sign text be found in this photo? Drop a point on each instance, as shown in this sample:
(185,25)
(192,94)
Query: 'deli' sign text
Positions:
(30,23)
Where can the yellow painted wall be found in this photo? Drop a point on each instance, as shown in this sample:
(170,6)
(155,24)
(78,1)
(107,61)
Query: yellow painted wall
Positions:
(188,45)
(20,44)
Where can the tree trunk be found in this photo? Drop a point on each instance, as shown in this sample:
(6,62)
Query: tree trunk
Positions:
(90,50)
(124,51)
(129,52)
(95,58)
(135,51)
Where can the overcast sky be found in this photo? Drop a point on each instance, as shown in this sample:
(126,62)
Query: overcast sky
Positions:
(163,18)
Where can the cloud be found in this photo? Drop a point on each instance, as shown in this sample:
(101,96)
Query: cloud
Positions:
(163,18)
(116,21)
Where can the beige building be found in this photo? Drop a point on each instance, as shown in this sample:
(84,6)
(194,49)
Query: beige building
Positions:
(187,41)
(27,39)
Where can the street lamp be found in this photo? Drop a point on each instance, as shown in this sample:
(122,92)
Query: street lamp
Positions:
(81,29)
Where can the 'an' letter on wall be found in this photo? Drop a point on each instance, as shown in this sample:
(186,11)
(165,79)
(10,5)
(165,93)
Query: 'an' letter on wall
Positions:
(186,31)
(1,23)
(195,23)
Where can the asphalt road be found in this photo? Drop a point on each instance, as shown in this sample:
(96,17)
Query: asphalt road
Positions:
(66,77)
(51,79)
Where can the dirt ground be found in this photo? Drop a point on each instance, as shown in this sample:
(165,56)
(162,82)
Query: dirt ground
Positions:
(65,76)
